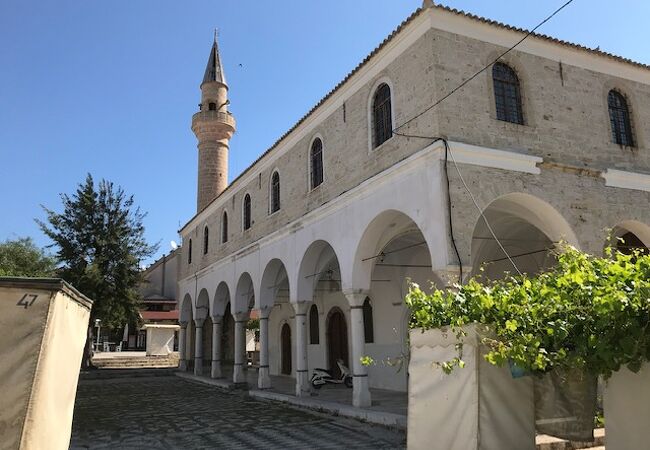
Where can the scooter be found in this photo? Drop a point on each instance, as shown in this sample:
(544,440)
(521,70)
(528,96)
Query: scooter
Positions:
(321,377)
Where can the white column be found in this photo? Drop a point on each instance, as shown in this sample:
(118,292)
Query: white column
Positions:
(182,364)
(360,389)
(239,371)
(198,347)
(215,370)
(302,375)
(263,376)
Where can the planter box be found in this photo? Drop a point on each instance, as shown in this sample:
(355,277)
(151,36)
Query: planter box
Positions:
(627,409)
(478,407)
(44,324)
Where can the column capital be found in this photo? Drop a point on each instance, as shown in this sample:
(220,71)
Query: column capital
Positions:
(241,316)
(301,307)
(265,312)
(450,274)
(198,322)
(216,319)
(356,297)
(183,324)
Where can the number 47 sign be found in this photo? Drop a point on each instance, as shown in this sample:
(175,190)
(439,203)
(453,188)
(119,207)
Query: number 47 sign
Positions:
(27,300)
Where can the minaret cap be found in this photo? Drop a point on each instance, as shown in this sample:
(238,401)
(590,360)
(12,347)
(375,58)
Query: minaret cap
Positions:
(214,69)
(427,3)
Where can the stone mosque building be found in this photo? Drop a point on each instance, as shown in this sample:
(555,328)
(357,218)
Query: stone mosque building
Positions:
(382,182)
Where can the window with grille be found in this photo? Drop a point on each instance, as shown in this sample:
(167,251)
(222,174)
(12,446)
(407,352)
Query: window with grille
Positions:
(313,325)
(247,212)
(206,240)
(382,116)
(316,163)
(189,252)
(619,118)
(224,228)
(212,106)
(368,326)
(507,94)
(275,192)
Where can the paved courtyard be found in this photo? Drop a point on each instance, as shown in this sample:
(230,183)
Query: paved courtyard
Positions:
(168,412)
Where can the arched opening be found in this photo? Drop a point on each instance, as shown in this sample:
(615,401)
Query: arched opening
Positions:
(224,228)
(382,121)
(527,231)
(274,297)
(202,315)
(187,317)
(316,162)
(337,341)
(228,338)
(630,236)
(246,212)
(391,252)
(314,329)
(285,349)
(275,193)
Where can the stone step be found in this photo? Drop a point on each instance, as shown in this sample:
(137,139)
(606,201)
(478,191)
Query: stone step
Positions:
(545,442)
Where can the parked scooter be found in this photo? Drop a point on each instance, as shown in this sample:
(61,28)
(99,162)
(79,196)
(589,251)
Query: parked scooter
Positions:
(321,377)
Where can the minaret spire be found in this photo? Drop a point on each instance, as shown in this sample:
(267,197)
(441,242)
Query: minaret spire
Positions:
(214,69)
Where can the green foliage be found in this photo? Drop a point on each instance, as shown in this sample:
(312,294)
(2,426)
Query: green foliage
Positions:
(253,324)
(587,313)
(100,242)
(22,258)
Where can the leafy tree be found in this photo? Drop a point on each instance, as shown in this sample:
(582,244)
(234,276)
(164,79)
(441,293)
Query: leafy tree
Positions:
(99,240)
(22,258)
(587,313)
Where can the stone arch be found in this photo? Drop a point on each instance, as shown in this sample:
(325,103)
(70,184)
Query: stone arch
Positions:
(275,280)
(244,294)
(384,228)
(318,263)
(529,229)
(638,230)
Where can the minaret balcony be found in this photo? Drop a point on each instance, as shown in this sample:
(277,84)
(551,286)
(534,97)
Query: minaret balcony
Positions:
(203,118)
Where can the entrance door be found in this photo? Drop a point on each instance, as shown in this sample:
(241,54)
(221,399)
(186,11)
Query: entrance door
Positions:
(337,340)
(285,337)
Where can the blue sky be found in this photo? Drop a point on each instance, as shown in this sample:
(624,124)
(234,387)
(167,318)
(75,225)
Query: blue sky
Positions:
(109,87)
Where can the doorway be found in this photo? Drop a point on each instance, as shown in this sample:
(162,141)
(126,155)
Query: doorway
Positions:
(285,338)
(337,340)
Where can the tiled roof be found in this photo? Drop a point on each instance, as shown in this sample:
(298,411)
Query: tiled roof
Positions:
(401,26)
(159,315)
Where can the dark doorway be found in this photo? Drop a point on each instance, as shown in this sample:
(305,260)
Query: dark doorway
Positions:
(285,337)
(337,340)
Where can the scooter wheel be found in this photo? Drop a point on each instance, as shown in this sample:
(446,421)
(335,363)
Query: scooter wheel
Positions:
(348,382)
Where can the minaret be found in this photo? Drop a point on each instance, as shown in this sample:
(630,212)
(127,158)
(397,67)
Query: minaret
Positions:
(213,126)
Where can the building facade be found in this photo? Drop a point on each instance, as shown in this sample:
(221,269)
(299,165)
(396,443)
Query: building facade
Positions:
(381,183)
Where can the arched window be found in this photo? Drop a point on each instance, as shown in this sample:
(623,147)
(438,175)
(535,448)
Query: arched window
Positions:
(247,212)
(224,228)
(507,94)
(619,117)
(189,252)
(275,192)
(206,240)
(381,115)
(368,326)
(212,106)
(316,159)
(313,325)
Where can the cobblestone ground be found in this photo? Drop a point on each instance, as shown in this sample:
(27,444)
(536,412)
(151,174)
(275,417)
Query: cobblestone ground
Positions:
(171,413)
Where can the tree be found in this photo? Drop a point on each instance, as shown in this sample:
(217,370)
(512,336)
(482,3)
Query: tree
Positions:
(22,258)
(99,237)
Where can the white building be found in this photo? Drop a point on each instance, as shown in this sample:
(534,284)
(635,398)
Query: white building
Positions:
(321,233)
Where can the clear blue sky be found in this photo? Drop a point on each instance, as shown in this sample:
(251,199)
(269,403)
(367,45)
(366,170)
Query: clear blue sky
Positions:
(109,87)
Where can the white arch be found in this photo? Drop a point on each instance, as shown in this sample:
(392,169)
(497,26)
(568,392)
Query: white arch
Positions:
(274,274)
(315,259)
(244,294)
(378,233)
(202,304)
(220,300)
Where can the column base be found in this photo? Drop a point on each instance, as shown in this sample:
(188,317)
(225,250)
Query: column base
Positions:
(303,387)
(182,365)
(361,392)
(238,374)
(264,378)
(198,366)
(215,369)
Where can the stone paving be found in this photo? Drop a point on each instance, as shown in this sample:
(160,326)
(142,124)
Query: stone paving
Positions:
(168,412)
